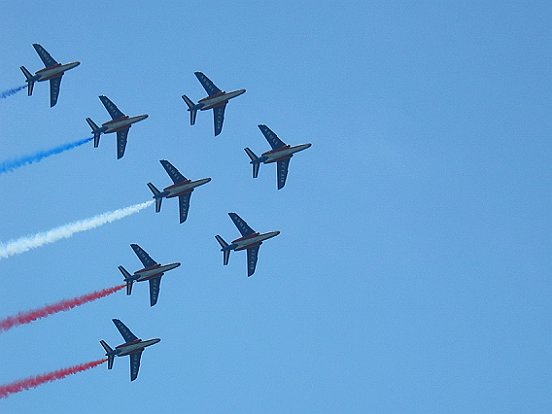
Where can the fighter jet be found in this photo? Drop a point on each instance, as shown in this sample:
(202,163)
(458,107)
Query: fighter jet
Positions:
(53,71)
(152,271)
(216,100)
(133,347)
(120,123)
(280,154)
(251,240)
(182,188)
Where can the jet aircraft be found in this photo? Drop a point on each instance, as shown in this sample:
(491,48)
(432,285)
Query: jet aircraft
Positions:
(251,241)
(152,271)
(216,100)
(53,71)
(133,347)
(280,154)
(182,188)
(120,123)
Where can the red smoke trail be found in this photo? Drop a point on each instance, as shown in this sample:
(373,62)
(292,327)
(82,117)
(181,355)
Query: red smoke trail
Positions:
(33,382)
(28,317)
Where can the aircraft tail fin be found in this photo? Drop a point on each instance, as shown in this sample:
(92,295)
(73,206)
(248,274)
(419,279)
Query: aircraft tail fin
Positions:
(157,195)
(96,131)
(30,80)
(225,250)
(255,161)
(108,353)
(192,108)
(128,279)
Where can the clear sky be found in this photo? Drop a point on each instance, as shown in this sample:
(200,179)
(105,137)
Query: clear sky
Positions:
(413,269)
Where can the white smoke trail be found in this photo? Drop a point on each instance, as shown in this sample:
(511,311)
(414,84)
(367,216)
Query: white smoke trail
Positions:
(26,243)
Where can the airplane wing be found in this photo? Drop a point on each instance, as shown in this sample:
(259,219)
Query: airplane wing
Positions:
(271,137)
(252,255)
(209,86)
(173,172)
(135,365)
(184,203)
(127,335)
(145,258)
(242,226)
(154,289)
(121,142)
(111,107)
(54,90)
(47,59)
(218,113)
(282,167)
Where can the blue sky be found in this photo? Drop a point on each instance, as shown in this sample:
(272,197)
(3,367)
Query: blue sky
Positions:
(412,272)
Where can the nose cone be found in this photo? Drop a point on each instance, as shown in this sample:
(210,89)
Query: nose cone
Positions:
(241,91)
(156,340)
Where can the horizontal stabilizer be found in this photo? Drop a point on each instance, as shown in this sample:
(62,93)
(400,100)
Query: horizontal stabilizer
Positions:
(157,195)
(225,250)
(255,161)
(128,279)
(95,130)
(108,353)
(29,79)
(192,108)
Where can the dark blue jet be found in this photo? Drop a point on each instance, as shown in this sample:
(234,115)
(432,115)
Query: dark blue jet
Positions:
(281,154)
(152,272)
(251,241)
(216,100)
(53,71)
(133,347)
(182,188)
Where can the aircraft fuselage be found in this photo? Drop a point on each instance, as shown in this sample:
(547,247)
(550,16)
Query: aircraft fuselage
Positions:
(252,240)
(121,123)
(55,71)
(183,187)
(154,271)
(219,99)
(134,346)
(283,153)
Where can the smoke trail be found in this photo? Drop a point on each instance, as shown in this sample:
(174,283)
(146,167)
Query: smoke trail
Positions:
(64,305)
(26,243)
(11,165)
(33,382)
(12,91)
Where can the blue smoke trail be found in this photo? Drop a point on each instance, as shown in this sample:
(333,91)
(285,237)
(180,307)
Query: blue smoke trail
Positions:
(11,165)
(10,92)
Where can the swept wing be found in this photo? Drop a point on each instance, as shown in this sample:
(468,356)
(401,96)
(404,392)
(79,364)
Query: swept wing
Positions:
(173,172)
(46,58)
(127,335)
(271,137)
(121,142)
(145,258)
(207,84)
(218,115)
(111,107)
(135,364)
(242,226)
